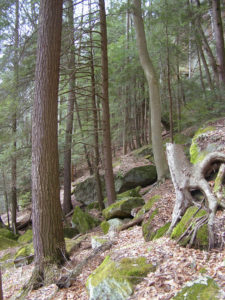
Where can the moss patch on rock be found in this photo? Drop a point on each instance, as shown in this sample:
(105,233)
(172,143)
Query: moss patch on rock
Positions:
(27,237)
(83,221)
(196,155)
(25,251)
(73,245)
(115,280)
(130,193)
(161,231)
(97,241)
(105,227)
(148,205)
(201,289)
(201,240)
(122,208)
(148,230)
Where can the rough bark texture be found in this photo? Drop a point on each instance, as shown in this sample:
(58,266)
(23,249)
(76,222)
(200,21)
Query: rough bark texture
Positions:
(67,204)
(48,238)
(1,292)
(155,106)
(187,177)
(14,120)
(109,179)
(220,50)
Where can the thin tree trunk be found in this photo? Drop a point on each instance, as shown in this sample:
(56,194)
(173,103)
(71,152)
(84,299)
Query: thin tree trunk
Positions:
(14,120)
(6,197)
(49,245)
(157,143)
(110,187)
(1,291)
(220,50)
(67,204)
(95,122)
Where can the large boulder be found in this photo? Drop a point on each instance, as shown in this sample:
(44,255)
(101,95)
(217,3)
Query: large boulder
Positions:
(85,191)
(138,176)
(201,289)
(116,280)
(122,208)
(190,218)
(205,141)
(83,221)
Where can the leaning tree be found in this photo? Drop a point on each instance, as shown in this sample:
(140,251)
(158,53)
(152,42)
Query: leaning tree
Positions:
(189,177)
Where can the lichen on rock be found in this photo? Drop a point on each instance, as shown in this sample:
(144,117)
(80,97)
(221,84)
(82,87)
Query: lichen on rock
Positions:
(116,280)
(201,289)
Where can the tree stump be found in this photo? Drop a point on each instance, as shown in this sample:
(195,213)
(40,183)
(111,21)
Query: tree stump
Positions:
(187,178)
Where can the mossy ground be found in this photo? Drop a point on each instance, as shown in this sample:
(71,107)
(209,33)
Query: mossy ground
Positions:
(4,232)
(27,237)
(6,243)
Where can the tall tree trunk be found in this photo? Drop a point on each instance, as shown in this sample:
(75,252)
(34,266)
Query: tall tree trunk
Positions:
(1,292)
(67,204)
(49,245)
(5,196)
(220,50)
(95,121)
(14,120)
(110,187)
(157,144)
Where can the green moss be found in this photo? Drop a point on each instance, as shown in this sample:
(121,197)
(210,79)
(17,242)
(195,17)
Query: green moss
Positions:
(72,245)
(105,227)
(161,231)
(122,208)
(27,237)
(116,279)
(6,243)
(147,229)
(4,232)
(25,251)
(202,234)
(196,155)
(148,205)
(93,205)
(201,289)
(83,221)
(130,193)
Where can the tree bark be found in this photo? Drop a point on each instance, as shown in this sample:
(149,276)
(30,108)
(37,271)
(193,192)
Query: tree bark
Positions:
(67,204)
(109,179)
(155,106)
(14,120)
(220,50)
(1,291)
(49,245)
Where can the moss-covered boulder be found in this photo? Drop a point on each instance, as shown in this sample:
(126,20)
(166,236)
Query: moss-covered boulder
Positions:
(138,176)
(148,229)
(24,255)
(148,205)
(113,224)
(85,191)
(145,151)
(122,208)
(27,237)
(116,280)
(201,289)
(161,231)
(6,243)
(129,193)
(83,221)
(199,149)
(201,240)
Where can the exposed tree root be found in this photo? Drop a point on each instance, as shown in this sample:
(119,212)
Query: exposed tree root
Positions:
(187,177)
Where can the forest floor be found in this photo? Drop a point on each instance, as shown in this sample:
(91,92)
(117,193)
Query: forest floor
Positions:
(175,265)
